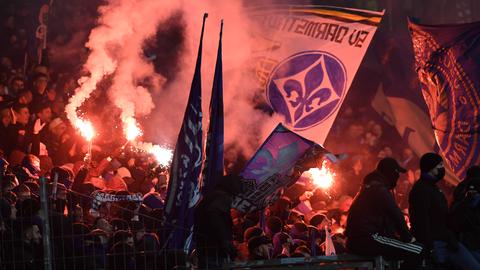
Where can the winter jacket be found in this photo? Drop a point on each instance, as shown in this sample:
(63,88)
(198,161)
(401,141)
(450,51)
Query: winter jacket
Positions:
(374,210)
(428,209)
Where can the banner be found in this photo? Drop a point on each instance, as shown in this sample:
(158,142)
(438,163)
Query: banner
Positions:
(446,60)
(183,190)
(276,164)
(306,58)
(37,41)
(213,167)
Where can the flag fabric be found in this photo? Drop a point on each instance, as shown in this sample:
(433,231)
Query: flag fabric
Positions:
(37,30)
(270,168)
(411,121)
(213,167)
(448,67)
(183,189)
(329,246)
(305,59)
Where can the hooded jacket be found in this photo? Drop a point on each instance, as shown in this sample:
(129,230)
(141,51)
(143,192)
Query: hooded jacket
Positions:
(428,209)
(374,211)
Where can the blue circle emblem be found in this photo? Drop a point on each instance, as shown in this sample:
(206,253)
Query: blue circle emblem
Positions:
(307,88)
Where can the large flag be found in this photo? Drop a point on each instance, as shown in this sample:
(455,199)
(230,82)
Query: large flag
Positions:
(270,169)
(448,67)
(183,190)
(213,167)
(38,26)
(306,58)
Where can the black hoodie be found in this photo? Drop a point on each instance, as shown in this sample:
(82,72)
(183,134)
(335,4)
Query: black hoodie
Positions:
(429,212)
(374,211)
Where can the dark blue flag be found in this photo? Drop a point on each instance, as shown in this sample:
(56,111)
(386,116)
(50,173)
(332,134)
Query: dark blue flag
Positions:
(213,168)
(183,190)
(447,62)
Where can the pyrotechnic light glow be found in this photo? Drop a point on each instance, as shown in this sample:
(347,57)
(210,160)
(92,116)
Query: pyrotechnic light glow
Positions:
(163,155)
(322,177)
(85,128)
(132,131)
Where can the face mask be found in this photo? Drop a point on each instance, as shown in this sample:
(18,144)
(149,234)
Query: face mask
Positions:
(440,174)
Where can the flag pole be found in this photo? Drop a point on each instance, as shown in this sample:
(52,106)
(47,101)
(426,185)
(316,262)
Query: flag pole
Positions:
(183,191)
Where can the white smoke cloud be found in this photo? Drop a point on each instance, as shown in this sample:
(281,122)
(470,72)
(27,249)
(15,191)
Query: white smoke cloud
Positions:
(116,49)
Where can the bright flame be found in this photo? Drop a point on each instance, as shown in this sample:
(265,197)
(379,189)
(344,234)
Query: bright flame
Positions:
(163,155)
(323,177)
(132,130)
(85,128)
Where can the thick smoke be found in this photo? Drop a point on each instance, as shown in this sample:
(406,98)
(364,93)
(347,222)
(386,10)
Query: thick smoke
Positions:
(245,126)
(116,47)
(131,31)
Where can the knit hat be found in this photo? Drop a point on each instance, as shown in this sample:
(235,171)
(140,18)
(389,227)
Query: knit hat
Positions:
(257,241)
(429,161)
(473,172)
(123,172)
(153,200)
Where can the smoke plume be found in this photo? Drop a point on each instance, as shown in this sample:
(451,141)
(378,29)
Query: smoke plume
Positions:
(119,46)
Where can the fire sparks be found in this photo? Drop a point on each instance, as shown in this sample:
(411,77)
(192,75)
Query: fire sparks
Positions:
(163,155)
(86,129)
(322,177)
(132,131)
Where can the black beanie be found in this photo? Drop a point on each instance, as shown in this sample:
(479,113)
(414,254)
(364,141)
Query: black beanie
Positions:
(429,161)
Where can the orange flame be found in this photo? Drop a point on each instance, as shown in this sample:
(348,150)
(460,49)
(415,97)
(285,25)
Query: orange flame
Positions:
(322,177)
(85,128)
(132,130)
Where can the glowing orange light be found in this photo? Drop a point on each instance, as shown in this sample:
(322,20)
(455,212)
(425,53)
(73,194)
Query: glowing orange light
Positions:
(132,131)
(86,129)
(322,177)
(161,154)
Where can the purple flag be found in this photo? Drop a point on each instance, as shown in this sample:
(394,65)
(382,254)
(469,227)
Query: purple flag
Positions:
(448,66)
(271,168)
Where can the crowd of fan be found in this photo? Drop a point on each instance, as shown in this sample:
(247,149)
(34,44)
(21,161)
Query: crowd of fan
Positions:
(37,141)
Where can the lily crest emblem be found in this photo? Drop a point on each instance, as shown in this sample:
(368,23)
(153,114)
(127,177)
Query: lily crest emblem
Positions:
(307,88)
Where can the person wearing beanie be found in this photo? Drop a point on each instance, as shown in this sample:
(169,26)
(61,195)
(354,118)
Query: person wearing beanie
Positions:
(465,217)
(428,209)
(259,248)
(472,175)
(374,219)
(213,224)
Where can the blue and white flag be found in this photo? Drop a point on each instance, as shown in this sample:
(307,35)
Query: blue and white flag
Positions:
(448,67)
(306,58)
(213,167)
(183,189)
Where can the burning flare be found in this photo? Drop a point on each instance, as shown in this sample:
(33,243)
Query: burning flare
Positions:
(322,177)
(132,130)
(163,155)
(85,128)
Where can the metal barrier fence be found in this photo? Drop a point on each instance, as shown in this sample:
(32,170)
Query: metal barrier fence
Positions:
(57,233)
